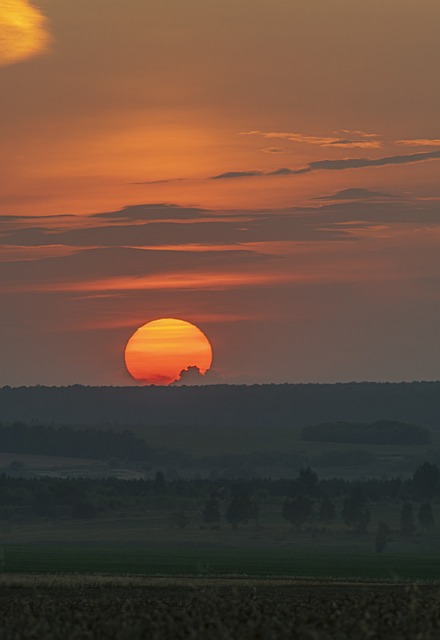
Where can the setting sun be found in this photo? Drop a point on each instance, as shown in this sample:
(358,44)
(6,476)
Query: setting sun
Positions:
(160,350)
(23,31)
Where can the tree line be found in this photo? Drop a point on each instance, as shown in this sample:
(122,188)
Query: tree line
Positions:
(379,432)
(304,499)
(92,443)
(120,447)
(296,405)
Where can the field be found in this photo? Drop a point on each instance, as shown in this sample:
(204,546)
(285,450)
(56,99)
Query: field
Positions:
(150,545)
(196,560)
(130,609)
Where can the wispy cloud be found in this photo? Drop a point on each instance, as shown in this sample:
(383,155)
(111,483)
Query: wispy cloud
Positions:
(333,165)
(171,281)
(361,141)
(165,181)
(420,142)
(274,150)
(357,132)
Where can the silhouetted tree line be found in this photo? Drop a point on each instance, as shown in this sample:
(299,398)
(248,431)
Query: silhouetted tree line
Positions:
(296,405)
(380,432)
(302,497)
(77,443)
(107,444)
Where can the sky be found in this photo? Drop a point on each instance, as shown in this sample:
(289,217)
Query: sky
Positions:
(267,170)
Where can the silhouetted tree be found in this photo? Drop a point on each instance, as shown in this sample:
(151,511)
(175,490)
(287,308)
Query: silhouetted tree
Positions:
(84,510)
(179,519)
(381,538)
(308,481)
(297,510)
(211,511)
(327,511)
(159,481)
(426,481)
(241,509)
(425,515)
(254,511)
(407,524)
(355,512)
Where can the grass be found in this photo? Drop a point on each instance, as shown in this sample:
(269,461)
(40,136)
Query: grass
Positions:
(199,559)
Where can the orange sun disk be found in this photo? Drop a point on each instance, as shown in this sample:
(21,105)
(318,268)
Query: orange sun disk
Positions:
(161,349)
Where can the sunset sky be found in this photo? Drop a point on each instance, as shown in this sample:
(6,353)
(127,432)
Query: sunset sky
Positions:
(267,170)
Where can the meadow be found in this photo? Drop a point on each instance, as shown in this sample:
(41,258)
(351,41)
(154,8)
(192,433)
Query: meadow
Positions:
(147,542)
(205,560)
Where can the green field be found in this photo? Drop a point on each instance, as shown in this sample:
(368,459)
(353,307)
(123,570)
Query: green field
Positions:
(197,559)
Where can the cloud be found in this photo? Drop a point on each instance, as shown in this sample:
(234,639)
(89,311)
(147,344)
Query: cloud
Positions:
(274,150)
(359,144)
(420,142)
(164,181)
(119,263)
(193,376)
(180,281)
(366,141)
(229,252)
(356,194)
(238,174)
(334,165)
(357,132)
(23,32)
(154,211)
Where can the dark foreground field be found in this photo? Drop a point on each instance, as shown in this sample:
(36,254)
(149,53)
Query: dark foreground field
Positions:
(88,607)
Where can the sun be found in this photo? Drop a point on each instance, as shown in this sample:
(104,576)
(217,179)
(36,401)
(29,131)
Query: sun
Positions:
(160,350)
(23,31)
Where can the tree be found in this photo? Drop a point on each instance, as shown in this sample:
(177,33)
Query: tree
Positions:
(355,512)
(254,511)
(242,508)
(327,511)
(308,481)
(179,519)
(297,510)
(84,510)
(407,524)
(381,538)
(426,481)
(159,482)
(211,511)
(425,515)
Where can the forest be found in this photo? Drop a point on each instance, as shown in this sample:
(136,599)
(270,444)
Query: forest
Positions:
(380,432)
(288,405)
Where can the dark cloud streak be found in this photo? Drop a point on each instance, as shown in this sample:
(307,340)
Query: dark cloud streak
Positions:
(356,193)
(333,165)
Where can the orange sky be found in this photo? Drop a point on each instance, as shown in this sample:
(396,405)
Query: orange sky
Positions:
(266,170)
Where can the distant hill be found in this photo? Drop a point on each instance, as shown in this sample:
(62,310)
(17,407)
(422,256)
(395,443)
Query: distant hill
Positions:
(381,432)
(287,405)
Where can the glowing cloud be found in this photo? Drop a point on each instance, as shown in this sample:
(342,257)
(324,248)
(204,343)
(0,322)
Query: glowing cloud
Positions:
(23,31)
(321,141)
